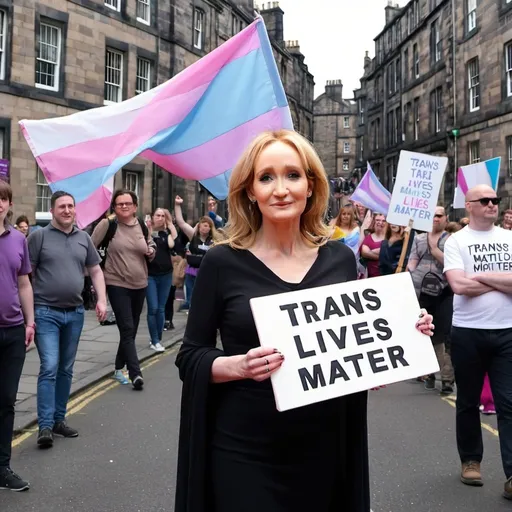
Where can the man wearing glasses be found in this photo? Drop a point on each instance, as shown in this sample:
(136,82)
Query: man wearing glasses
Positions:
(478,266)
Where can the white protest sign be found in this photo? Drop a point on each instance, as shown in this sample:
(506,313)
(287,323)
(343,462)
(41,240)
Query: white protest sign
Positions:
(416,190)
(343,338)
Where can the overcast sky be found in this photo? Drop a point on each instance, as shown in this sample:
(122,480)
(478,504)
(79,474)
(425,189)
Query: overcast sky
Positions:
(333,36)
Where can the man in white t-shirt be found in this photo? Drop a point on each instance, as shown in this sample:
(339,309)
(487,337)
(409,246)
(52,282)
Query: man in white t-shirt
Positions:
(478,266)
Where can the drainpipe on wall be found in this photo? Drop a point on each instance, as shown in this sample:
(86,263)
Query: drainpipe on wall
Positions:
(454,88)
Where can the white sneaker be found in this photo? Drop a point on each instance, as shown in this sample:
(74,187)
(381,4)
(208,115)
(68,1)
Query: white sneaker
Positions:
(158,347)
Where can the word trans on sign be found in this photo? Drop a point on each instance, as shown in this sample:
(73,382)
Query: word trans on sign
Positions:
(343,338)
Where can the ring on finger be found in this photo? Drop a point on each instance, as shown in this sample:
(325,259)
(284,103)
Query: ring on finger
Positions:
(266,361)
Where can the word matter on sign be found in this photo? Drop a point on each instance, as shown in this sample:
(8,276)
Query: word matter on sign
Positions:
(361,333)
(343,338)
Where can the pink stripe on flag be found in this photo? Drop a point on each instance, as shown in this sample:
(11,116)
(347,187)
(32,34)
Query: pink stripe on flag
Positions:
(87,210)
(167,109)
(244,43)
(220,154)
(462,182)
(97,153)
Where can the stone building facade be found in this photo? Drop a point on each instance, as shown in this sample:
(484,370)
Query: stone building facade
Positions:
(406,87)
(484,87)
(412,102)
(58,57)
(54,59)
(298,82)
(335,130)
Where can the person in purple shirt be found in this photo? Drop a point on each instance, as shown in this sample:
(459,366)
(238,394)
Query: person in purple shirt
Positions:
(16,330)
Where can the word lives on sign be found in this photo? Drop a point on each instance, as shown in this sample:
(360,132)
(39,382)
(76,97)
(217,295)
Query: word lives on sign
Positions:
(416,190)
(343,338)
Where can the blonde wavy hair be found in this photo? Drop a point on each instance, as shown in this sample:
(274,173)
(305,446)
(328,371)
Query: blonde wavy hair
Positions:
(213,232)
(245,219)
(353,216)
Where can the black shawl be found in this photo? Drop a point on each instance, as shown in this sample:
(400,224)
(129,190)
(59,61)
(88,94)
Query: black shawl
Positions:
(195,363)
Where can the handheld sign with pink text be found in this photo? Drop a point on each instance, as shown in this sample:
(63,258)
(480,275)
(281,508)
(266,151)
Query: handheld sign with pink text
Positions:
(416,190)
(343,338)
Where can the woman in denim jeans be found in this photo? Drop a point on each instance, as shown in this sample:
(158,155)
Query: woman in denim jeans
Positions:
(201,237)
(164,234)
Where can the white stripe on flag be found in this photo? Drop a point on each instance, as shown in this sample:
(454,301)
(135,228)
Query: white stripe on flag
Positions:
(62,132)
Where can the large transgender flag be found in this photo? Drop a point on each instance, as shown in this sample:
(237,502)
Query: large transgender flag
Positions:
(469,176)
(195,125)
(371,193)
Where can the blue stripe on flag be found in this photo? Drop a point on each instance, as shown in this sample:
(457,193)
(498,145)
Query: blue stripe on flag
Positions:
(83,185)
(493,168)
(239,93)
(218,186)
(266,48)
(378,189)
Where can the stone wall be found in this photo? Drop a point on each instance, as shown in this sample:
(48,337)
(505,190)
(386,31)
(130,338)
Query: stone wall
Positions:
(88,28)
(490,125)
(331,132)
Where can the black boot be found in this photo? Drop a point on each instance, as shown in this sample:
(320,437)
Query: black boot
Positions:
(430,382)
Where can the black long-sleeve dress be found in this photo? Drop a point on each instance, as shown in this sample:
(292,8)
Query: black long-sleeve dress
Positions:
(237,453)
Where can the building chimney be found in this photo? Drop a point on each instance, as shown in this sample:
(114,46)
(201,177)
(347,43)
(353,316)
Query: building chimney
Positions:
(334,90)
(292,46)
(273,16)
(367,59)
(391,11)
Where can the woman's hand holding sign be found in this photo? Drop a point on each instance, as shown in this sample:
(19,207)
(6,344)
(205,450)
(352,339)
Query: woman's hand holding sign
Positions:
(424,324)
(260,363)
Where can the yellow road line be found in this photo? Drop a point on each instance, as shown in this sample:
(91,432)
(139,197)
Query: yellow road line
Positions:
(486,426)
(78,398)
(22,438)
(88,400)
(83,399)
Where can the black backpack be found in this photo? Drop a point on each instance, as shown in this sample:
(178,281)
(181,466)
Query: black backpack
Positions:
(111,231)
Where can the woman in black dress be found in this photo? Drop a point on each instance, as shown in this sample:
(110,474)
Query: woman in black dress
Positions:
(391,249)
(237,453)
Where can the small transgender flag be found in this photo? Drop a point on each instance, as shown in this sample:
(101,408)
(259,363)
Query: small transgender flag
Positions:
(469,176)
(371,193)
(195,125)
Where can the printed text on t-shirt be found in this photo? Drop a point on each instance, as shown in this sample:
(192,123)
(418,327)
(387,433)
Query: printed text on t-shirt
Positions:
(491,257)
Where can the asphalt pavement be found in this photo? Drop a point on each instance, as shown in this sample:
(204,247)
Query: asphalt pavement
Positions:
(125,457)
(94,360)
(414,463)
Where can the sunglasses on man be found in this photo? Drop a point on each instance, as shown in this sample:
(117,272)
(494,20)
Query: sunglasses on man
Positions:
(484,201)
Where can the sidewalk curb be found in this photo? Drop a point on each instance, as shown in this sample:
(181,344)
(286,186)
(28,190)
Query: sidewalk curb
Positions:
(100,374)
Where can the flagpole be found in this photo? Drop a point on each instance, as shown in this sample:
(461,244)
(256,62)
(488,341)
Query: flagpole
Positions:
(400,268)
